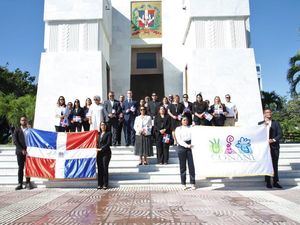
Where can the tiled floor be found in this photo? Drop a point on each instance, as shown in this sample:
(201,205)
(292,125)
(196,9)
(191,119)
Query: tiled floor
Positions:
(149,205)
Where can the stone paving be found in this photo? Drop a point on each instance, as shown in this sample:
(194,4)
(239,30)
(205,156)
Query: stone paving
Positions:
(149,205)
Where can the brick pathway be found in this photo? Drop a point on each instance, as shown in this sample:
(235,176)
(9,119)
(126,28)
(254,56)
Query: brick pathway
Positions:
(149,205)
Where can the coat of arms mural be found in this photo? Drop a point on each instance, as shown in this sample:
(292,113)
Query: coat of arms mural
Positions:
(146,20)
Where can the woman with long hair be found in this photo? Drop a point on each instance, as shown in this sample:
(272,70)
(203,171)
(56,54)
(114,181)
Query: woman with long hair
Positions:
(103,156)
(61,115)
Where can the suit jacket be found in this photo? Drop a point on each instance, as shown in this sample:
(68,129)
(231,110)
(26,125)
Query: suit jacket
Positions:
(80,112)
(274,133)
(162,123)
(19,140)
(153,108)
(108,109)
(127,105)
(104,142)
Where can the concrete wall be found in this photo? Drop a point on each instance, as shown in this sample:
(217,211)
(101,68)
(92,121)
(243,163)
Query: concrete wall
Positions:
(77,48)
(234,73)
(70,75)
(218,55)
(121,47)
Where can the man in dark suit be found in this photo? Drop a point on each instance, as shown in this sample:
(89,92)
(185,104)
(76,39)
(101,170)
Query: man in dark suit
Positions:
(188,108)
(153,106)
(111,111)
(275,134)
(120,120)
(129,112)
(21,151)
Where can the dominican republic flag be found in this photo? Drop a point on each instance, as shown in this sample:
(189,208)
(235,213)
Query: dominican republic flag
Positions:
(61,155)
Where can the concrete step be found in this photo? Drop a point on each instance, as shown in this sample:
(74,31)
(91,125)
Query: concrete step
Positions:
(248,183)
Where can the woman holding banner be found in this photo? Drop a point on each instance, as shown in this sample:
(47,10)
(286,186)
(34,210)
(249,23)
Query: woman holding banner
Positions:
(183,136)
(103,156)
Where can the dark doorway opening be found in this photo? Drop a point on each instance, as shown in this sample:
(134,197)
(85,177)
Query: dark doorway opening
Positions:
(146,72)
(145,85)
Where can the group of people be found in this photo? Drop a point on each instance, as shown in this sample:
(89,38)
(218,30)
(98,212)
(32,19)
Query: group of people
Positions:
(149,122)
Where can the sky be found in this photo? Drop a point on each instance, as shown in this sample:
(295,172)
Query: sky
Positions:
(274,24)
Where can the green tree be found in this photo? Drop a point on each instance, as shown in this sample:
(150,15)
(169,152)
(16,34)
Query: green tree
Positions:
(272,100)
(293,75)
(17,98)
(22,106)
(16,82)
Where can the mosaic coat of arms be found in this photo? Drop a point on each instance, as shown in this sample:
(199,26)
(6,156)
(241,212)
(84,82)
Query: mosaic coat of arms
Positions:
(146,20)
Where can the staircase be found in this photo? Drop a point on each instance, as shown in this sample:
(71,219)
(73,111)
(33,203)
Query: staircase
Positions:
(124,171)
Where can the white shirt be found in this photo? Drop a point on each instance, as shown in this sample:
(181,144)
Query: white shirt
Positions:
(231,109)
(25,132)
(143,123)
(61,111)
(97,116)
(183,134)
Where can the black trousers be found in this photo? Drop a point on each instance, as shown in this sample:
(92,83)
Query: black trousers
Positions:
(21,163)
(103,159)
(119,131)
(162,150)
(60,129)
(113,127)
(185,155)
(275,158)
(86,125)
(75,127)
(129,132)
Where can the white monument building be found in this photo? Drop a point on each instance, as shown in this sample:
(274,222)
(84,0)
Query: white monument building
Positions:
(167,47)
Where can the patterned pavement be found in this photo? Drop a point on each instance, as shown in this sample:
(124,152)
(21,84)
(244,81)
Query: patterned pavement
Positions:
(149,205)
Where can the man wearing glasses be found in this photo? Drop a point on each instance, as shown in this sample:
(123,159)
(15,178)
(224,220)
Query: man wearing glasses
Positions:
(232,114)
(111,113)
(129,112)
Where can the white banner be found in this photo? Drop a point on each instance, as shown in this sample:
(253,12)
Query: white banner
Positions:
(231,151)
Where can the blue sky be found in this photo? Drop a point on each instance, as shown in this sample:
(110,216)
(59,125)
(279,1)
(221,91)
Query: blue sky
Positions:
(275,37)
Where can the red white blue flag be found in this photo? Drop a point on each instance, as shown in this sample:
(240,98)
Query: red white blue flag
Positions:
(61,155)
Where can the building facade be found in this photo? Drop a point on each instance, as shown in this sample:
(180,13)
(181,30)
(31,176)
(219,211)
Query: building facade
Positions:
(167,47)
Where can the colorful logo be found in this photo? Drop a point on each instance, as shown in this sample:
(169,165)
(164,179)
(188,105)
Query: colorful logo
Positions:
(146,20)
(240,151)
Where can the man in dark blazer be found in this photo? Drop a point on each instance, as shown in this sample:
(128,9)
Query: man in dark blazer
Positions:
(112,110)
(21,151)
(188,108)
(153,106)
(130,112)
(275,134)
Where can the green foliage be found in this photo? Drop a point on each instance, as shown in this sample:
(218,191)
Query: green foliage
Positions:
(293,75)
(290,120)
(272,100)
(22,106)
(17,82)
(17,98)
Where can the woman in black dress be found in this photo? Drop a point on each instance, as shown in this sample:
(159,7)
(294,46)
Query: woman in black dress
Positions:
(175,111)
(78,116)
(85,122)
(103,156)
(200,109)
(162,129)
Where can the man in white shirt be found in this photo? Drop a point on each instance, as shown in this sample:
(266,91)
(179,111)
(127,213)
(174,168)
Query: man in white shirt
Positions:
(232,113)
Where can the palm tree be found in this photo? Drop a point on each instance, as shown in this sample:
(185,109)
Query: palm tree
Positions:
(293,75)
(271,100)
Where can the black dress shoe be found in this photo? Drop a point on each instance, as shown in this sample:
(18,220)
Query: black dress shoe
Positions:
(277,185)
(127,145)
(269,185)
(104,187)
(99,187)
(19,187)
(28,186)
